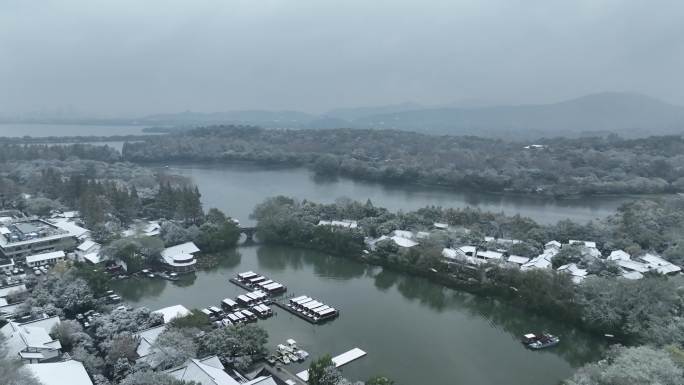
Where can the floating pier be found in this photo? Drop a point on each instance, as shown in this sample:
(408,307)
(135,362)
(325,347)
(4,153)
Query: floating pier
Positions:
(340,360)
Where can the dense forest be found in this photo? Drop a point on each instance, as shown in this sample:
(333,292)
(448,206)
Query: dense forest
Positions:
(560,167)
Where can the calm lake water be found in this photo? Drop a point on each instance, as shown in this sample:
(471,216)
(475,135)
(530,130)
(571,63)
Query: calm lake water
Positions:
(413,330)
(237,188)
(14,130)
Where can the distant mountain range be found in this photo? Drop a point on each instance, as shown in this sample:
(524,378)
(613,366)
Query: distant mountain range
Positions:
(626,114)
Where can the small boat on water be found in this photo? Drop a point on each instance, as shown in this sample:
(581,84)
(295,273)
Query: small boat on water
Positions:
(541,341)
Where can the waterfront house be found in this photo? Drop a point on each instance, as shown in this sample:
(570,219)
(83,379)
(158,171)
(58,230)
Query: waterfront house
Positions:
(180,258)
(31,341)
(60,373)
(50,258)
(205,371)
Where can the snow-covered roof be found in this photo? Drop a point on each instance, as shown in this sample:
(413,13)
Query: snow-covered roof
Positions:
(180,260)
(60,373)
(488,254)
(403,234)
(73,229)
(172,312)
(449,253)
(518,259)
(152,228)
(147,339)
(403,242)
(45,256)
(87,245)
(660,265)
(573,269)
(542,261)
(183,248)
(467,249)
(554,243)
(346,223)
(633,266)
(632,275)
(585,243)
(94,257)
(207,371)
(33,335)
(5,291)
(619,255)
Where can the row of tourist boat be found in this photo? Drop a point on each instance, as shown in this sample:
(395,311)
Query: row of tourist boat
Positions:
(311,309)
(247,308)
(250,280)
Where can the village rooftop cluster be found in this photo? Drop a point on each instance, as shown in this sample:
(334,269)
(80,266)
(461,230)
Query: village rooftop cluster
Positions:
(496,251)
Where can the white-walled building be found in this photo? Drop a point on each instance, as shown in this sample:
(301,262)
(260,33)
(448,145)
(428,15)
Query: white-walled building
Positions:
(180,258)
(45,259)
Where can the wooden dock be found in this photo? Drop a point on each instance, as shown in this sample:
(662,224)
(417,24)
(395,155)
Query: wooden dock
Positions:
(340,360)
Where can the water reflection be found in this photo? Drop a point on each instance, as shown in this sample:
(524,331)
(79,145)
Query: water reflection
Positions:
(576,349)
(280,258)
(135,288)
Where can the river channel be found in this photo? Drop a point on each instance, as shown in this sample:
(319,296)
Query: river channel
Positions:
(415,331)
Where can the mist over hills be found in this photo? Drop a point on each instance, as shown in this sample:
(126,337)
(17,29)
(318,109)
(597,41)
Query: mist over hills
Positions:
(626,114)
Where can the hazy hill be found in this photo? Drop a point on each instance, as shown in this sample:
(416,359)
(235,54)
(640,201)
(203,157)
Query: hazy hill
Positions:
(350,114)
(629,115)
(622,113)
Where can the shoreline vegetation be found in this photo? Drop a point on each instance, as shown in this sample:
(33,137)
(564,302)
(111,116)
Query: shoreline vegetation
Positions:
(556,167)
(644,314)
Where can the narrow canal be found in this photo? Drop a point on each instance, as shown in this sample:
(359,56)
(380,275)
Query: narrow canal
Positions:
(414,331)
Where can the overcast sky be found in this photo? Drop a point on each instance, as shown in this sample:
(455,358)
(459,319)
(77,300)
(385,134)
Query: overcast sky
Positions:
(134,57)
